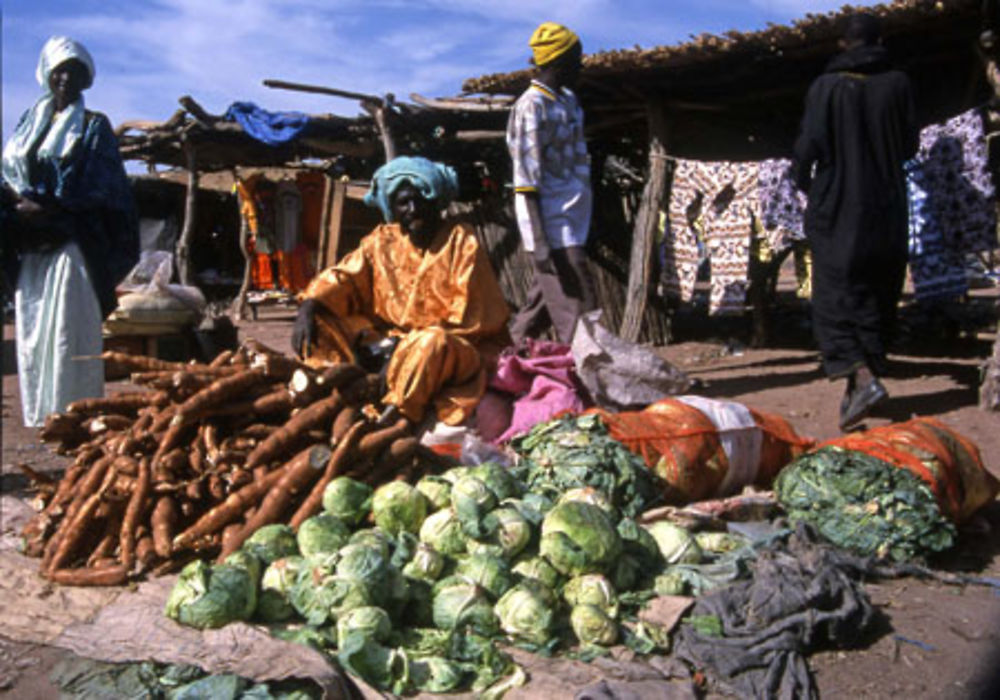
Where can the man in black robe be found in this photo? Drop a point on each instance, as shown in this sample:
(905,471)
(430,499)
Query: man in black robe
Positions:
(858,129)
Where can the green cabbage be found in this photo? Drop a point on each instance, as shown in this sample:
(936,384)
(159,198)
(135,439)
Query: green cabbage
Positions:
(366,564)
(426,565)
(498,479)
(508,529)
(275,585)
(348,500)
(321,597)
(212,596)
(364,657)
(272,542)
(373,537)
(443,532)
(322,534)
(671,583)
(676,544)
(531,506)
(435,674)
(369,621)
(539,569)
(592,589)
(398,507)
(719,542)
(588,494)
(638,542)
(578,538)
(245,560)
(437,491)
(591,625)
(490,573)
(453,475)
(525,615)
(471,499)
(458,603)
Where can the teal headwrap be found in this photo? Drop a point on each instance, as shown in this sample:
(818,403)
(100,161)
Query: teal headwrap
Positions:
(435,181)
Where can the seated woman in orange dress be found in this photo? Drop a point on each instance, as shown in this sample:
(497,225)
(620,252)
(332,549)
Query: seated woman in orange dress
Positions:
(421,280)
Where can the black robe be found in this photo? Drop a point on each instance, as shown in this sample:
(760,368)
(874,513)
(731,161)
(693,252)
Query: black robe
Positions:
(858,129)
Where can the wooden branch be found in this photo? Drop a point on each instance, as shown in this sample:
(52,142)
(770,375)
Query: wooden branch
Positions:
(320,90)
(465,104)
(198,112)
(190,209)
(644,233)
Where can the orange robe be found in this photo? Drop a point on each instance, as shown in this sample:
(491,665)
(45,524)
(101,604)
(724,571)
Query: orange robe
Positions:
(444,304)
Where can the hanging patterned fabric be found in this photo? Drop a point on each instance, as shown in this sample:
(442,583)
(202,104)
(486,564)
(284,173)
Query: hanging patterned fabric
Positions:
(952,209)
(782,204)
(727,194)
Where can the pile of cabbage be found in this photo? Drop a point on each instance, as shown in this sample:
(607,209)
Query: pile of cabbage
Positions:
(414,586)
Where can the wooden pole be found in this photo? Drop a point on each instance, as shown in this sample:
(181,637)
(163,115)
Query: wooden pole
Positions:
(184,270)
(646,221)
(320,90)
(378,112)
(465,104)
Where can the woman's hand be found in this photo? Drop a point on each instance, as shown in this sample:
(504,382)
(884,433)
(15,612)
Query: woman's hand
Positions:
(304,330)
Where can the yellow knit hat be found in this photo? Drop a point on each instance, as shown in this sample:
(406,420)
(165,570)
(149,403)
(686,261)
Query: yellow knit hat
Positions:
(550,41)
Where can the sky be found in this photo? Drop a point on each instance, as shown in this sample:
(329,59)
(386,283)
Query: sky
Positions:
(149,53)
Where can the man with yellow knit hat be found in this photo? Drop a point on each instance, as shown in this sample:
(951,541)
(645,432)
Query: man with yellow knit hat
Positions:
(552,199)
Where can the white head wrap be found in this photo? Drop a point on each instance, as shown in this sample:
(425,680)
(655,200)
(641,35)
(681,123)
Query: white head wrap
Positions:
(59,49)
(66,127)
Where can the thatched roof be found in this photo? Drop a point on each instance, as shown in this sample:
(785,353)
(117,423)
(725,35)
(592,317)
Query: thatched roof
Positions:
(740,94)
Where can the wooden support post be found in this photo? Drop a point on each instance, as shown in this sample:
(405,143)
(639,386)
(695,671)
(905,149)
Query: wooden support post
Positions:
(184,270)
(331,247)
(383,128)
(646,222)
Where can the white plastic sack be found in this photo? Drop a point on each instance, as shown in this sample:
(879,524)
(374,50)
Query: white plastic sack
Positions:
(150,279)
(740,436)
(620,375)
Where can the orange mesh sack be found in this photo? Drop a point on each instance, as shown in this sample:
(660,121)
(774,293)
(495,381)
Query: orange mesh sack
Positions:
(947,461)
(705,448)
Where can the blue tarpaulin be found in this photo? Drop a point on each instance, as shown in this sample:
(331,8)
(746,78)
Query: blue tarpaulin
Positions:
(272,128)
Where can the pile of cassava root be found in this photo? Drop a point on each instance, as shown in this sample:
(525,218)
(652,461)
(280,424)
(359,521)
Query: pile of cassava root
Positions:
(202,457)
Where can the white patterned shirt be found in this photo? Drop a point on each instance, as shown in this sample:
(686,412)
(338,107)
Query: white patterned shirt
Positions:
(545,139)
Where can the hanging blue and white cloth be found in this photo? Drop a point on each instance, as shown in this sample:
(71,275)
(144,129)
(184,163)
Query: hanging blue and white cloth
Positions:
(782,204)
(952,207)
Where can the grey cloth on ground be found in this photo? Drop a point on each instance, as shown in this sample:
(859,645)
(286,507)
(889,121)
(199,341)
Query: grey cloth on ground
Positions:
(618,374)
(803,596)
(636,690)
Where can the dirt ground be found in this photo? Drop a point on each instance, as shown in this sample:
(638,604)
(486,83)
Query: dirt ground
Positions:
(935,641)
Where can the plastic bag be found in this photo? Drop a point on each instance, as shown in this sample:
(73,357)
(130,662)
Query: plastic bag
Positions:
(153,271)
(618,374)
(150,279)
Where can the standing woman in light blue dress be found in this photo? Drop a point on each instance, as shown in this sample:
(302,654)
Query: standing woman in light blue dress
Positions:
(70,233)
